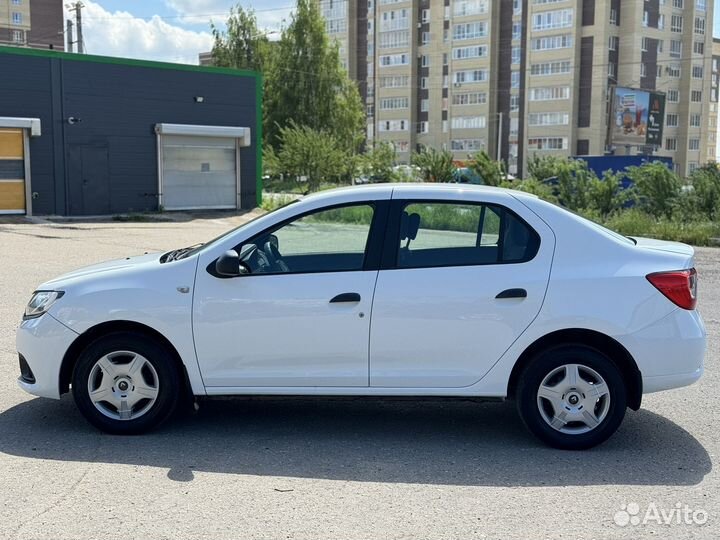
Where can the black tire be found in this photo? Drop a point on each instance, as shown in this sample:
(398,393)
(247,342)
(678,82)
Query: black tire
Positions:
(544,364)
(169,386)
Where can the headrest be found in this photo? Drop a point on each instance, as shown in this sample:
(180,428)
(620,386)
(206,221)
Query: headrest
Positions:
(413,225)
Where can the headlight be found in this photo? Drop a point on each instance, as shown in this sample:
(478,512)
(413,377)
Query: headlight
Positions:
(40,303)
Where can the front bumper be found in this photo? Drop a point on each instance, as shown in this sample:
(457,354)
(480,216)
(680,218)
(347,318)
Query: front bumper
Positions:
(42,342)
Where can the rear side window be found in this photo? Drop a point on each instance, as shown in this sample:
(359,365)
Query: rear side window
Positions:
(458,234)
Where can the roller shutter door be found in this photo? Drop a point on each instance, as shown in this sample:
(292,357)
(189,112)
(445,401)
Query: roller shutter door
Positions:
(199,172)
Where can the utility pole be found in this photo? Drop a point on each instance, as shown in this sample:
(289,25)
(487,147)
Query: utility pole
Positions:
(69,35)
(77,8)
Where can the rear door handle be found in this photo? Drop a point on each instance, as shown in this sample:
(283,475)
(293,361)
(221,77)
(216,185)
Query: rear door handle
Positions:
(345,298)
(512,293)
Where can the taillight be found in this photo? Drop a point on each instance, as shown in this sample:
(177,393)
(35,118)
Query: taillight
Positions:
(679,286)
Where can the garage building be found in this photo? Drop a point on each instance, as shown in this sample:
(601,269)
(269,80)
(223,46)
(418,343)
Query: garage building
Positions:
(92,135)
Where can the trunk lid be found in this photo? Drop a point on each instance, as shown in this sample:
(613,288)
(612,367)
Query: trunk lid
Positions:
(664,245)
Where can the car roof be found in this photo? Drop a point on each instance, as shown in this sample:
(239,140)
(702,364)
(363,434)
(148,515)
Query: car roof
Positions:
(399,189)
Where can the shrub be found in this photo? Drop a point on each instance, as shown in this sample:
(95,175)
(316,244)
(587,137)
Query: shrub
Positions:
(488,169)
(705,192)
(607,194)
(435,165)
(657,187)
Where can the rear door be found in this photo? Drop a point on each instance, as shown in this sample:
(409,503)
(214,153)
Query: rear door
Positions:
(461,280)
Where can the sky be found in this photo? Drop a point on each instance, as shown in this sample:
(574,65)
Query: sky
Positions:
(175,30)
(166,30)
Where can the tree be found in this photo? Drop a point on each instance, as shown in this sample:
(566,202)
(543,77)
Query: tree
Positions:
(543,168)
(315,155)
(487,168)
(607,195)
(657,186)
(307,84)
(706,190)
(435,165)
(242,45)
(378,162)
(574,179)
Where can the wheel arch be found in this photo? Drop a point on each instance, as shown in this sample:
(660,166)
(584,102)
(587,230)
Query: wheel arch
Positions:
(597,340)
(103,329)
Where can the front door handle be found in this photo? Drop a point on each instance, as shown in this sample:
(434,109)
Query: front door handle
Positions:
(512,293)
(345,298)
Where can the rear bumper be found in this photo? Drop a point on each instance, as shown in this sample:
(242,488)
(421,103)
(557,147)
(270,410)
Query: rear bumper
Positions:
(42,342)
(671,352)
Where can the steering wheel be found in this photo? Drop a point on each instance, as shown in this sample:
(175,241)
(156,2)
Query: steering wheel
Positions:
(274,257)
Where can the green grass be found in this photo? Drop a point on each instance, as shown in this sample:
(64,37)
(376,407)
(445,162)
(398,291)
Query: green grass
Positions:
(634,222)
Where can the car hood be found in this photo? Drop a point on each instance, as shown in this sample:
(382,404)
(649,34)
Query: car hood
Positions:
(663,245)
(101,268)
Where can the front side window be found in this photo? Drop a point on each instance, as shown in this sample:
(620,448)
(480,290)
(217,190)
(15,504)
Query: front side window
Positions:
(436,234)
(328,240)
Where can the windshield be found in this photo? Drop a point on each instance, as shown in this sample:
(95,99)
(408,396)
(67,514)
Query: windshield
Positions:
(187,252)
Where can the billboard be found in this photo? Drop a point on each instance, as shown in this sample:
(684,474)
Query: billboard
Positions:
(637,117)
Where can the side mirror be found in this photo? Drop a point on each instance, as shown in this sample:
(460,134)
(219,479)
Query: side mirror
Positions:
(230,265)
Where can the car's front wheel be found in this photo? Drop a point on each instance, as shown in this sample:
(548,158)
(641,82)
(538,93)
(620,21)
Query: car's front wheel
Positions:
(125,383)
(572,397)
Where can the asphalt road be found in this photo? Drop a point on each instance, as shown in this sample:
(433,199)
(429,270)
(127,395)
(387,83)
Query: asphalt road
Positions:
(301,468)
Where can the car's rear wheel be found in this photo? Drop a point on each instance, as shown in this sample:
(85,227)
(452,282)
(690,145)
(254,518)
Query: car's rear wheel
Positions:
(125,383)
(572,397)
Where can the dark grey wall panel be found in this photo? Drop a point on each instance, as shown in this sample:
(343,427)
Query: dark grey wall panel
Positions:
(585,93)
(117,106)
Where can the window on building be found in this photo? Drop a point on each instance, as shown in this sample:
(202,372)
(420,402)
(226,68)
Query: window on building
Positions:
(18,36)
(552,93)
(562,18)
(695,120)
(673,70)
(673,96)
(697,72)
(675,48)
(614,43)
(469,31)
(470,98)
(700,25)
(548,143)
(469,122)
(694,144)
(676,24)
(549,119)
(467,145)
(671,120)
(696,96)
(17,17)
(469,7)
(394,103)
(671,144)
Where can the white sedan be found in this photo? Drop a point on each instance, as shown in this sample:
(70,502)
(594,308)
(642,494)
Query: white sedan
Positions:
(387,290)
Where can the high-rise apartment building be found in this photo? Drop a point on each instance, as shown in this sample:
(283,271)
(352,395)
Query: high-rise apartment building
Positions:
(518,77)
(712,151)
(32,23)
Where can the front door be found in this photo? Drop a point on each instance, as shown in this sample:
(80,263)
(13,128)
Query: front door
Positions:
(89,179)
(466,280)
(301,318)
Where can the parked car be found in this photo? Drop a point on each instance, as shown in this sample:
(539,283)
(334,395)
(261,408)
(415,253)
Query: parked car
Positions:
(388,290)
(465,175)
